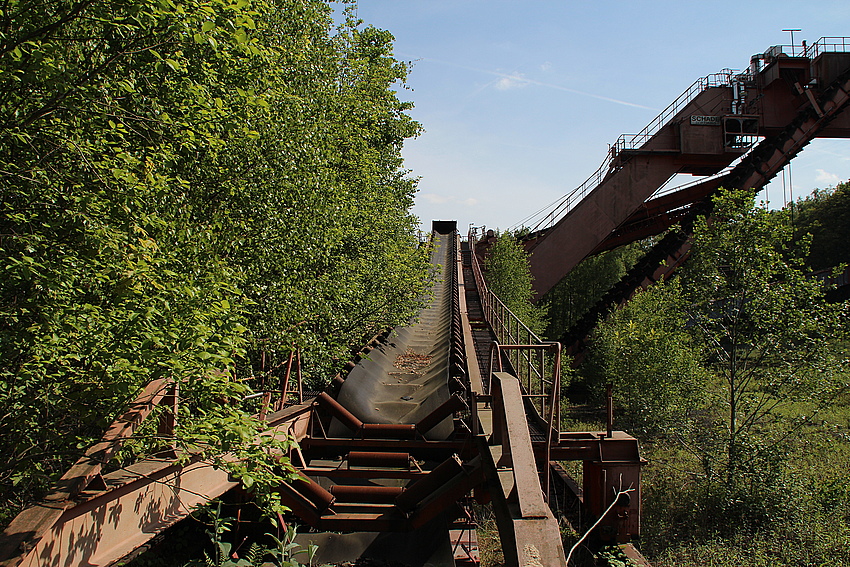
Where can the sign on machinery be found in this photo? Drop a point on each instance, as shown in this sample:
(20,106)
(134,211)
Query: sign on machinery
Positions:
(698,120)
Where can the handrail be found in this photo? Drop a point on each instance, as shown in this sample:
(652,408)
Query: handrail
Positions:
(633,141)
(823,45)
(536,362)
(493,306)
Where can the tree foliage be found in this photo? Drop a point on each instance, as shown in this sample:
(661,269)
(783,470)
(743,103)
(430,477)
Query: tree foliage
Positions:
(743,321)
(825,215)
(646,352)
(188,187)
(509,277)
(574,295)
(766,326)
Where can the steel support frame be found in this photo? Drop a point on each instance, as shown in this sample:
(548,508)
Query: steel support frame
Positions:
(530,533)
(98,523)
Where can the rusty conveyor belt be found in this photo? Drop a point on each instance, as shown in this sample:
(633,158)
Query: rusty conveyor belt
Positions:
(405,378)
(372,478)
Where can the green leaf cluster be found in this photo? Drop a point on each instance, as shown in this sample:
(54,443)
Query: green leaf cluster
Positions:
(646,352)
(825,215)
(585,285)
(190,189)
(509,277)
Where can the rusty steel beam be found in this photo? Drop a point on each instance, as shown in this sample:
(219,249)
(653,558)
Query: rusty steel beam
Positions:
(32,524)
(363,519)
(510,430)
(378,459)
(141,500)
(371,473)
(340,446)
(532,530)
(125,508)
(437,503)
(350,493)
(698,139)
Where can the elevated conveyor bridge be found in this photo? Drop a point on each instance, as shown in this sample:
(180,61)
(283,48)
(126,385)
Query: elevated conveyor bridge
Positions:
(739,129)
(736,129)
(463,402)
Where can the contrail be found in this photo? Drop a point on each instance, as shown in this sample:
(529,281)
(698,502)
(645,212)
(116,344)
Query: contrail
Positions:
(537,83)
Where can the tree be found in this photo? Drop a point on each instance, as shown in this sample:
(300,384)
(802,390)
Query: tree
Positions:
(645,351)
(765,326)
(188,187)
(573,296)
(509,277)
(825,215)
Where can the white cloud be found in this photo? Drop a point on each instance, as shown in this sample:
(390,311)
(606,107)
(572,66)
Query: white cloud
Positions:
(509,82)
(824,176)
(546,66)
(514,81)
(435,199)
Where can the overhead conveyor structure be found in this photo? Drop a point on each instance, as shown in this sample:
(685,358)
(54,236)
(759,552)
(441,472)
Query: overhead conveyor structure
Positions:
(738,128)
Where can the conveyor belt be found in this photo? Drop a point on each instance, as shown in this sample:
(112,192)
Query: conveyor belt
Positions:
(405,378)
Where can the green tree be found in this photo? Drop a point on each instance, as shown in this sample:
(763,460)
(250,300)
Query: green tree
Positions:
(573,296)
(825,215)
(509,277)
(188,187)
(645,351)
(766,327)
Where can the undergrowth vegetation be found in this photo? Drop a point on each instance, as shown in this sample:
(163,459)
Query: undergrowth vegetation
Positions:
(735,376)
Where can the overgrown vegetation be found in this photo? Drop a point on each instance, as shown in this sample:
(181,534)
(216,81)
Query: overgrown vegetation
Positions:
(825,215)
(190,189)
(508,276)
(574,295)
(645,351)
(735,376)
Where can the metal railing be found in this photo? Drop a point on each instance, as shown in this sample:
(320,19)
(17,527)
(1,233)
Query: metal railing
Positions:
(540,382)
(535,362)
(631,142)
(560,208)
(823,45)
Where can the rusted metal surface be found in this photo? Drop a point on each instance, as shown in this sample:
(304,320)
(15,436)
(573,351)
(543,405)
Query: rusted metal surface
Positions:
(465,546)
(339,412)
(452,405)
(533,531)
(142,500)
(701,133)
(510,430)
(96,523)
(378,459)
(366,494)
(34,523)
(466,289)
(447,470)
(447,496)
(418,447)
(755,170)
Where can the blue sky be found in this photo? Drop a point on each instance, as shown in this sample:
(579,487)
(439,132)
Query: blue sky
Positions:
(520,99)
